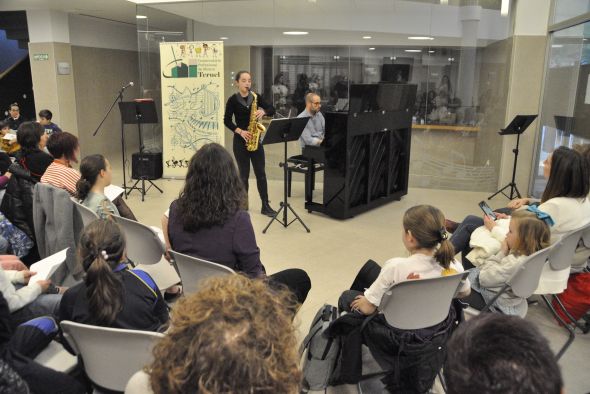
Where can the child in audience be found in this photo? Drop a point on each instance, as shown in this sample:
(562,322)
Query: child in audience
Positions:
(112,295)
(527,234)
(431,255)
(233,336)
(45,117)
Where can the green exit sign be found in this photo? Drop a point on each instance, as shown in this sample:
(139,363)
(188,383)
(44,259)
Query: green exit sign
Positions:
(40,57)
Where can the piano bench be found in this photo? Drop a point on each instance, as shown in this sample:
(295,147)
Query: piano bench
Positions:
(302,164)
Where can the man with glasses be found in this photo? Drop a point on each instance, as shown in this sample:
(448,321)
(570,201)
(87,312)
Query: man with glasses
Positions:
(14,118)
(313,134)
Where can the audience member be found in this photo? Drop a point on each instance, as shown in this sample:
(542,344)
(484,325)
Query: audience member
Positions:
(431,255)
(45,117)
(10,146)
(314,131)
(208,220)
(27,302)
(14,118)
(301,90)
(65,149)
(5,163)
(112,295)
(233,336)
(495,353)
(527,234)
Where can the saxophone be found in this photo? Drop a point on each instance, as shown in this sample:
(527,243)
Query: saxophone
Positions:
(254,127)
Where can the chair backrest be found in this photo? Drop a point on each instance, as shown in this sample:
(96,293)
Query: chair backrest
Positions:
(86,214)
(193,270)
(143,244)
(421,303)
(525,280)
(562,252)
(586,236)
(110,355)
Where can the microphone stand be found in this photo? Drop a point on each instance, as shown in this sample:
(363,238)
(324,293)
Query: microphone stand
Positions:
(119,99)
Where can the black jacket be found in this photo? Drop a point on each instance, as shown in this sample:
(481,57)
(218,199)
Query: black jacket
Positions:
(17,204)
(241,114)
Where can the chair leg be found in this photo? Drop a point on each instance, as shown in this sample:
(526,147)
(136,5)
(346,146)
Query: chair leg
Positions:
(572,334)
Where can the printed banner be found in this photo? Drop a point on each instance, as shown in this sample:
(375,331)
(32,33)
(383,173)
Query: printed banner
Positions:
(192,100)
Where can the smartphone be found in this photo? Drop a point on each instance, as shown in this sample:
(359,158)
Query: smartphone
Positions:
(487,210)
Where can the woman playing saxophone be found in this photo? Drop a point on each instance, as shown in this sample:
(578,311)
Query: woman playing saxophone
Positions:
(241,120)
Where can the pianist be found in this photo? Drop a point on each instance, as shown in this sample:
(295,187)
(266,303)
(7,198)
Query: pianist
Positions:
(313,134)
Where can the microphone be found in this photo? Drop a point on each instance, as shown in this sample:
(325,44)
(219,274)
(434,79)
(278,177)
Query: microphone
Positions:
(128,85)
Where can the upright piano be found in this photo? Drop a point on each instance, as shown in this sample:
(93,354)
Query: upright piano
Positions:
(366,151)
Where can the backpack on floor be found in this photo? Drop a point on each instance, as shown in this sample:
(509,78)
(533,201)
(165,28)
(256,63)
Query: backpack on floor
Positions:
(320,352)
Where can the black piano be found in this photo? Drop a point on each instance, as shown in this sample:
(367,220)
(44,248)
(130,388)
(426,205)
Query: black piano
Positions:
(366,151)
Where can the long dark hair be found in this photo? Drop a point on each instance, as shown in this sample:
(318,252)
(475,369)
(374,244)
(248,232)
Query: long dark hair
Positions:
(427,225)
(212,192)
(569,175)
(90,168)
(28,137)
(101,248)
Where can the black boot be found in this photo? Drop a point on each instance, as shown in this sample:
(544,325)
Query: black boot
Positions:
(267,210)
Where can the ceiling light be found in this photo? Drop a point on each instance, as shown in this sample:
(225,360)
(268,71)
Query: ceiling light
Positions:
(431,51)
(295,33)
(413,50)
(371,49)
(140,17)
(556,46)
(420,38)
(504,7)
(367,37)
(444,2)
(223,38)
(158,1)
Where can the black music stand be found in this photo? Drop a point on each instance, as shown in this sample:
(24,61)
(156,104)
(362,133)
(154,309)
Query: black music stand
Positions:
(284,130)
(139,112)
(518,125)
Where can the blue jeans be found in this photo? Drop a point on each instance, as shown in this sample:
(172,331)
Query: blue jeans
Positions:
(462,235)
(44,305)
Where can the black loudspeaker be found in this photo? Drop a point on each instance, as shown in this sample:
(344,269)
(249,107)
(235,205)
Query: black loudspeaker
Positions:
(146,165)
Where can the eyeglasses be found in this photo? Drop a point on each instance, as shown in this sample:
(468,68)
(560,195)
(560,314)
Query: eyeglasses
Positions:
(317,103)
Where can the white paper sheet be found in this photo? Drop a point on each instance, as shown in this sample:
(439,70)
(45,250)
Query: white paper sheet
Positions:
(113,191)
(46,267)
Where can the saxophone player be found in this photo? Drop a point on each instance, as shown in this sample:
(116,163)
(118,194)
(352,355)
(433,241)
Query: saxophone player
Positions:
(238,115)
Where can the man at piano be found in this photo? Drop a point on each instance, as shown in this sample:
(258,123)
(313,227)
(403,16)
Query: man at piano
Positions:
(314,131)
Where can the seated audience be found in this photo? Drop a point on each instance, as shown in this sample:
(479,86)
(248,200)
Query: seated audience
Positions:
(494,353)
(26,302)
(45,117)
(431,256)
(14,118)
(527,234)
(565,199)
(208,220)
(18,348)
(65,149)
(10,146)
(314,131)
(5,175)
(112,295)
(30,165)
(233,336)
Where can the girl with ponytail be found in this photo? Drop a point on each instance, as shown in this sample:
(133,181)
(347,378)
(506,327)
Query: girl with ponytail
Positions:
(431,255)
(112,295)
(96,174)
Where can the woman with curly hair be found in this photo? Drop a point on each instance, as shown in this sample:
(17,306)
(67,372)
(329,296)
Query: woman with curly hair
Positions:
(233,336)
(208,221)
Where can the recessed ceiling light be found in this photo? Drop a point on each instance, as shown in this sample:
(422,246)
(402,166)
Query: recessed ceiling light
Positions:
(295,33)
(371,49)
(367,37)
(140,17)
(413,50)
(504,7)
(444,2)
(223,38)
(420,38)
(557,46)
(431,51)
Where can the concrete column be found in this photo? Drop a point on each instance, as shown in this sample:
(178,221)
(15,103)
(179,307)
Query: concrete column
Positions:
(470,17)
(49,47)
(527,65)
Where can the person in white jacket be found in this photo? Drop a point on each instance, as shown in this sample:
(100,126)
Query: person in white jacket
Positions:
(25,301)
(528,232)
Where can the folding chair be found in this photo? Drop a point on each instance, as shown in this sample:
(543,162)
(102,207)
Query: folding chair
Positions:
(86,214)
(110,355)
(193,270)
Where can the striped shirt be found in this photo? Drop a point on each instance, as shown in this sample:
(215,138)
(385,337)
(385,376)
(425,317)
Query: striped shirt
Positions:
(61,176)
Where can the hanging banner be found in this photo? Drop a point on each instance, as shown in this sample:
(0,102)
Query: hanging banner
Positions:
(192,100)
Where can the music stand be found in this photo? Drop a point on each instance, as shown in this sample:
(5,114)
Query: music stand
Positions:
(518,125)
(139,112)
(284,130)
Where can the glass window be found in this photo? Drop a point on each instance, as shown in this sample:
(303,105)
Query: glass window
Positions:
(567,9)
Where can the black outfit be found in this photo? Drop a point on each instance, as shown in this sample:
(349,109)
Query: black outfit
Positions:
(17,204)
(232,244)
(14,123)
(239,108)
(143,305)
(18,348)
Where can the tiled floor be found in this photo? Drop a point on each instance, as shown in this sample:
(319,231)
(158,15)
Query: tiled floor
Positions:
(334,250)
